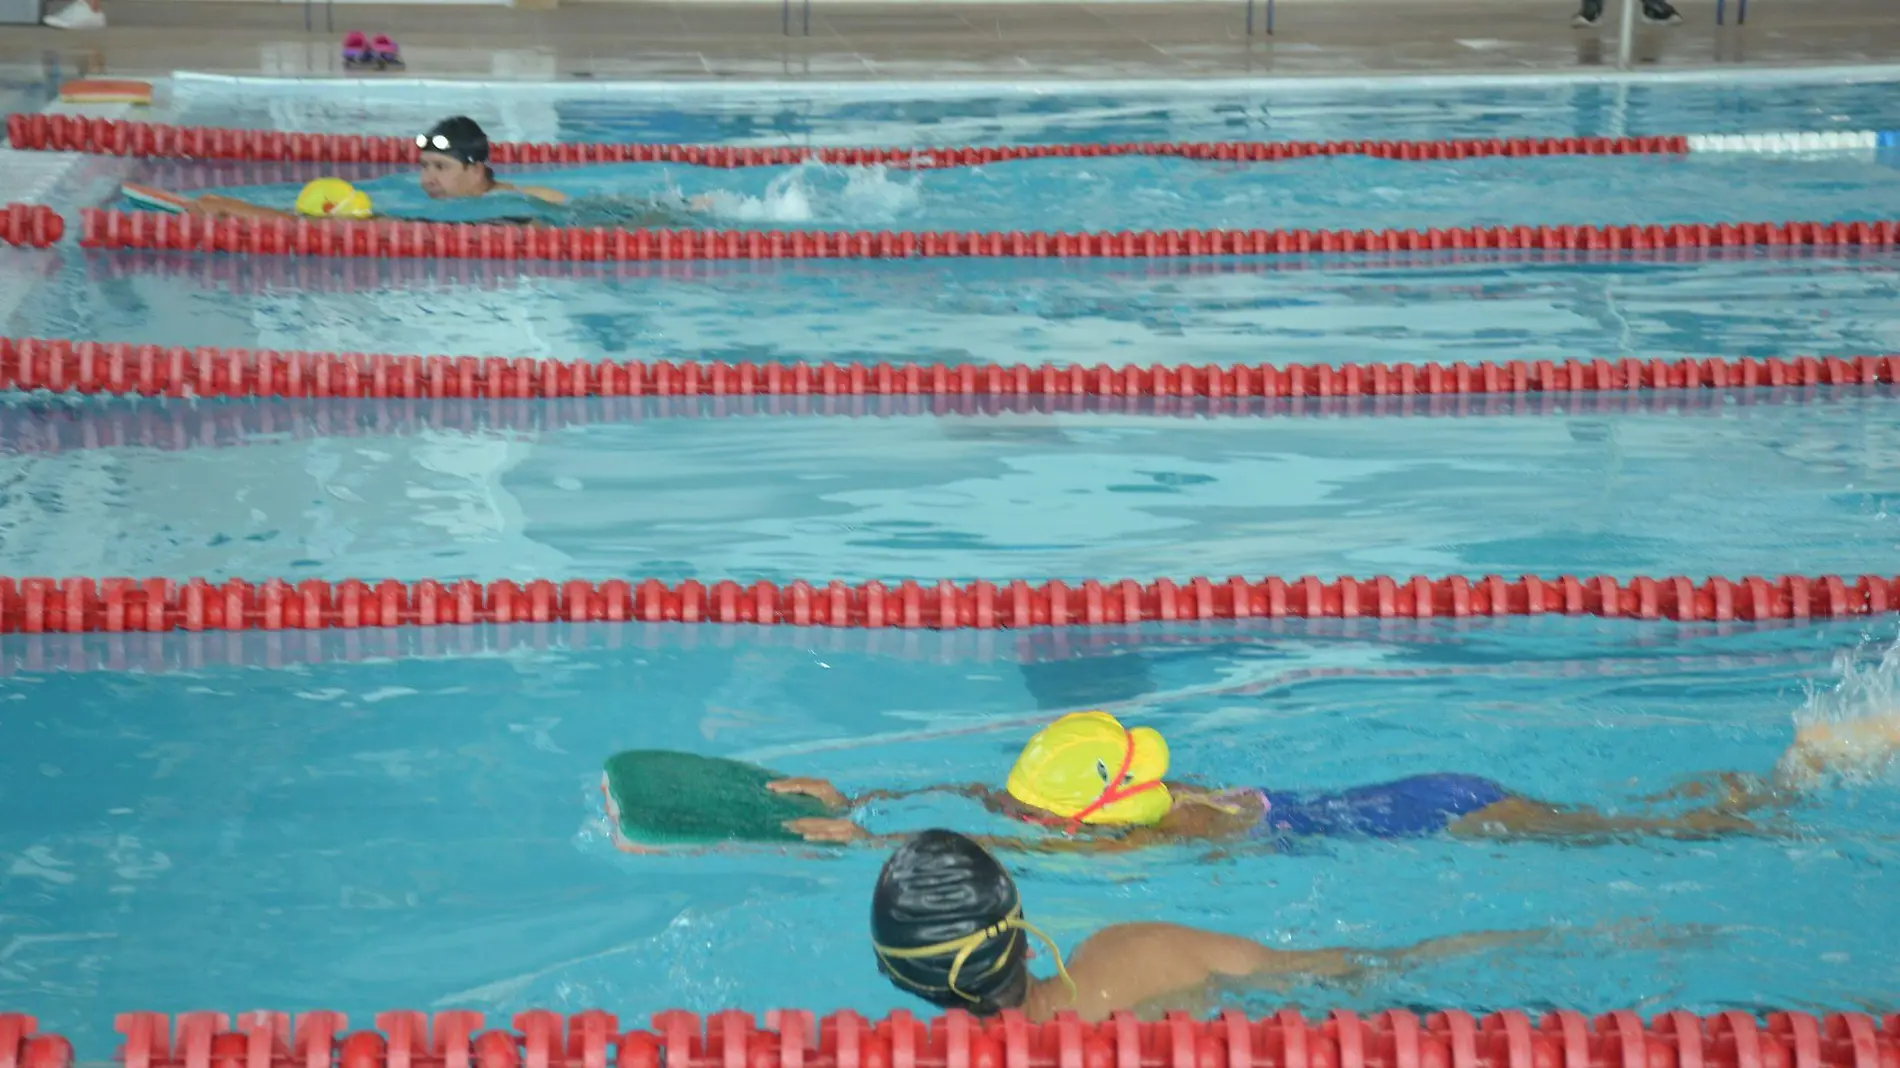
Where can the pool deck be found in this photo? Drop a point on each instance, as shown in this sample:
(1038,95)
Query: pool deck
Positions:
(938,41)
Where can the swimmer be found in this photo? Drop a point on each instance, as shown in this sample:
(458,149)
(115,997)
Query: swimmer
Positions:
(454,166)
(1105,786)
(947,925)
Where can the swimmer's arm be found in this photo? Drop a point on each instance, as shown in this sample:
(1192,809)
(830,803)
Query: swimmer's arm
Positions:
(833,797)
(990,798)
(836,831)
(218,206)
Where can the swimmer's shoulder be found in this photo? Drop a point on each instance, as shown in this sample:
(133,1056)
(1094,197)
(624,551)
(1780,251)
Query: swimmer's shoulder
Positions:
(538,192)
(1199,812)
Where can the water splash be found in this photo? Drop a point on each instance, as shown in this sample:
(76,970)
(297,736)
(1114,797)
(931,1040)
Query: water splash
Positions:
(1850,731)
(816,192)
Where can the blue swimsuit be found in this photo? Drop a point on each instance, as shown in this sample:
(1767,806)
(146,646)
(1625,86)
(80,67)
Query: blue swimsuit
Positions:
(1404,808)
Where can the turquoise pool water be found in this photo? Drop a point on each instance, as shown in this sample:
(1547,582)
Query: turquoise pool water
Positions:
(383,820)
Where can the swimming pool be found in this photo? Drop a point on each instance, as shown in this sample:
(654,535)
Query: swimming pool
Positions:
(368,820)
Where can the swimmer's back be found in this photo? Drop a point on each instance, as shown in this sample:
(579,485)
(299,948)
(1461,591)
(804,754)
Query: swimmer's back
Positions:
(1403,808)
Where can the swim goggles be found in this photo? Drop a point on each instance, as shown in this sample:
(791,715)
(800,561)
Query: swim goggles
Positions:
(1112,791)
(1011,925)
(441,143)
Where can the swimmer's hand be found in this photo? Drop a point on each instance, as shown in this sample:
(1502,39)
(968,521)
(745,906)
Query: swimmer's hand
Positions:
(826,829)
(702,202)
(811,787)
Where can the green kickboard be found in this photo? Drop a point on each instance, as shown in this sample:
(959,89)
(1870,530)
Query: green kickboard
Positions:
(672,798)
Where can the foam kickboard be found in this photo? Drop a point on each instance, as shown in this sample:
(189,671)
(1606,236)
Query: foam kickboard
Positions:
(106,91)
(154,198)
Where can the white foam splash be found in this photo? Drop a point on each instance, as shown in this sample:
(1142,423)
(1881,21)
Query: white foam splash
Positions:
(1850,731)
(815,192)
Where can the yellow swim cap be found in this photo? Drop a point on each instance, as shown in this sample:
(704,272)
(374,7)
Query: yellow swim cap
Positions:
(1087,768)
(334,198)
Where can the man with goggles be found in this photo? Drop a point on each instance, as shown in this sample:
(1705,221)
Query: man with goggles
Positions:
(454,167)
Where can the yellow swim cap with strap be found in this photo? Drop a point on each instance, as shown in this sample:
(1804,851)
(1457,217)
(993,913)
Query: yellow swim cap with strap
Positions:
(334,198)
(1087,768)
(1011,925)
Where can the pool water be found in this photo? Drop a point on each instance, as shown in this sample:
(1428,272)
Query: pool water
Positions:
(427,833)
(1345,192)
(332,489)
(368,821)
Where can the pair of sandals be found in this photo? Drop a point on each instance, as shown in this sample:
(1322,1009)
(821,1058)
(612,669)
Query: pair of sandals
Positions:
(362,53)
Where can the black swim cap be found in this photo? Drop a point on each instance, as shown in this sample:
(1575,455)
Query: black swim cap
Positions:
(945,920)
(459,137)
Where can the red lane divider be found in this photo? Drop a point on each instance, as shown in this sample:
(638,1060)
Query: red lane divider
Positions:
(30,225)
(796,1039)
(22,1046)
(115,137)
(149,370)
(78,605)
(303,237)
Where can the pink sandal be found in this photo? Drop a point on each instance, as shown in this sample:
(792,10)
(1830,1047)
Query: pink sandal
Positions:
(387,53)
(356,53)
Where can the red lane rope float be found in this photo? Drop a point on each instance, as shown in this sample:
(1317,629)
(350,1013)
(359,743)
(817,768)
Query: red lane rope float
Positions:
(23,1046)
(796,1039)
(31,225)
(104,229)
(116,137)
(121,368)
(80,605)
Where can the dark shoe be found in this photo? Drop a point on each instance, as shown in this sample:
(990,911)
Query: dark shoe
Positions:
(1660,12)
(1589,15)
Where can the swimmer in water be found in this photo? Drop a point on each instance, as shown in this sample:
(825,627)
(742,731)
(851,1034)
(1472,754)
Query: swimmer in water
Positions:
(1105,787)
(454,166)
(947,925)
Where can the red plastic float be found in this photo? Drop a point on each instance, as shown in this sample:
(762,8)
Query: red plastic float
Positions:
(115,137)
(80,605)
(150,370)
(796,1039)
(302,237)
(30,225)
(23,1046)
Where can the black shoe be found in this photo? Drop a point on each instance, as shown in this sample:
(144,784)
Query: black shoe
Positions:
(1589,15)
(1660,12)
